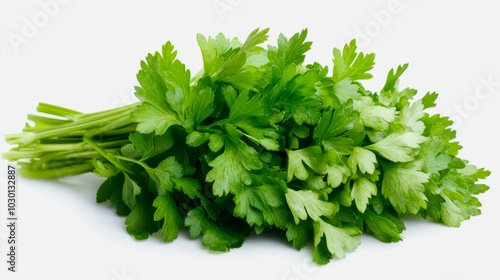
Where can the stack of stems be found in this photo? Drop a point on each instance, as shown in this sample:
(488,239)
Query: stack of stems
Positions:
(64,142)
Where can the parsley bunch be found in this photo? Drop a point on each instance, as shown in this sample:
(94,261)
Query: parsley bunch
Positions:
(257,140)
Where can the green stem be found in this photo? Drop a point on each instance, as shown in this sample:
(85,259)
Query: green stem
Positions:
(31,137)
(40,150)
(110,112)
(205,129)
(219,123)
(52,158)
(57,111)
(106,155)
(124,121)
(28,172)
(46,120)
(145,166)
(14,155)
(77,146)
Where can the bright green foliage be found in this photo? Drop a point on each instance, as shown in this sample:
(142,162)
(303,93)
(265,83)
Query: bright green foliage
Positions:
(338,239)
(289,51)
(150,145)
(385,226)
(398,147)
(168,212)
(350,64)
(377,117)
(304,204)
(334,123)
(362,190)
(299,161)
(130,191)
(403,185)
(258,140)
(217,237)
(231,170)
(362,159)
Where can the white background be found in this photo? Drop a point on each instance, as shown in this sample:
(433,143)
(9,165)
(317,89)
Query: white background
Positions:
(86,54)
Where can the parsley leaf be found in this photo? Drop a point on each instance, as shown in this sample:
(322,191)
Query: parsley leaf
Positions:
(350,64)
(338,240)
(403,186)
(166,210)
(304,204)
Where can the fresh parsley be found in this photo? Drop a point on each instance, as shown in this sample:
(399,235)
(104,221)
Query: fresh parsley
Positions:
(258,140)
